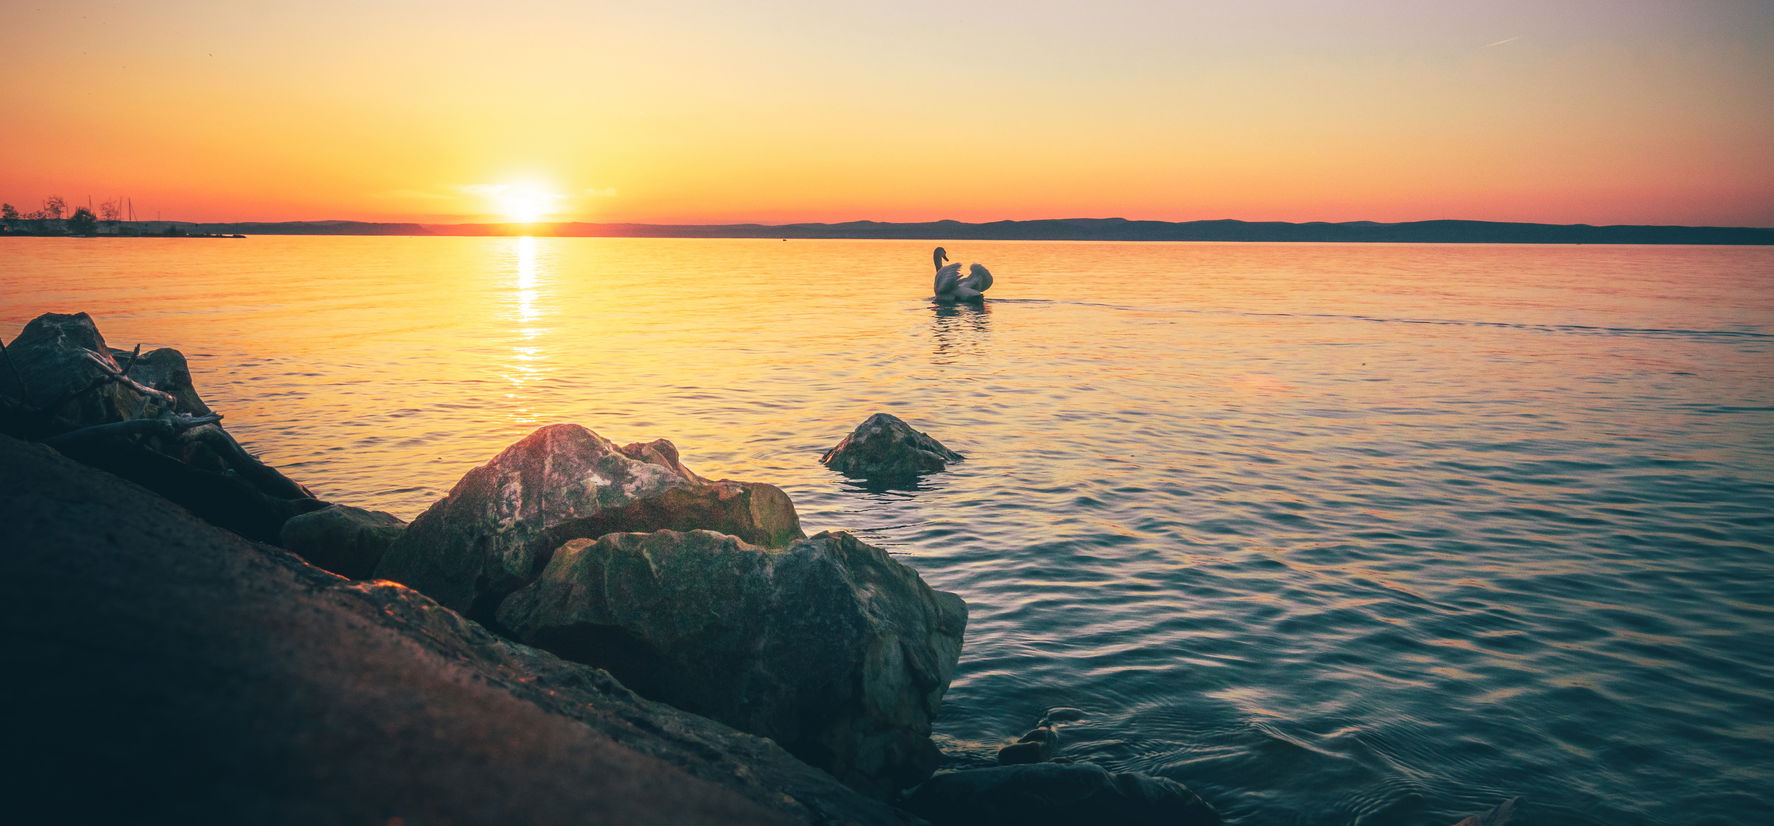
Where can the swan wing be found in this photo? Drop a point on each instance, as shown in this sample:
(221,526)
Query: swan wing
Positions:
(947,278)
(979,279)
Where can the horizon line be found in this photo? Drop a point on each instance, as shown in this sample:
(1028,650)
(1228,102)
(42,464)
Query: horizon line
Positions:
(848,221)
(1435,231)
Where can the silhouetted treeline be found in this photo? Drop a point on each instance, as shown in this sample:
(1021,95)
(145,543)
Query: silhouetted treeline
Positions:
(53,218)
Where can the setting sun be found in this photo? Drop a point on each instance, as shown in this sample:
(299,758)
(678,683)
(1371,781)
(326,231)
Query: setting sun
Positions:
(523,203)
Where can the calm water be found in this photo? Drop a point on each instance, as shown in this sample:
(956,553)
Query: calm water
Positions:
(1333,534)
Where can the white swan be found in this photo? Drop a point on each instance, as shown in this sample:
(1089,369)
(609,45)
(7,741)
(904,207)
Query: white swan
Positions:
(951,286)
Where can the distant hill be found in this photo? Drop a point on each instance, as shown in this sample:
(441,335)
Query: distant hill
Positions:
(1065,229)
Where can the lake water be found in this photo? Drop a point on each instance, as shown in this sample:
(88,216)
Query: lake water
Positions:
(1334,534)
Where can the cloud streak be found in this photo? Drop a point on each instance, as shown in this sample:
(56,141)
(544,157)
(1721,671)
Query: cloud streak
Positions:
(1504,42)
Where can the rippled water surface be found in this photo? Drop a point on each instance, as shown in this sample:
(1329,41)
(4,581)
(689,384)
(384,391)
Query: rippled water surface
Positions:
(1334,534)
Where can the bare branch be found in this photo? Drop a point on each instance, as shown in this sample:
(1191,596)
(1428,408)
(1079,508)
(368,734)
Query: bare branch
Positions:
(164,426)
(132,361)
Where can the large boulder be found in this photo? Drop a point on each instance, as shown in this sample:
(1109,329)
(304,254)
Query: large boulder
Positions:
(60,376)
(829,647)
(1057,794)
(885,448)
(141,419)
(340,538)
(499,525)
(164,671)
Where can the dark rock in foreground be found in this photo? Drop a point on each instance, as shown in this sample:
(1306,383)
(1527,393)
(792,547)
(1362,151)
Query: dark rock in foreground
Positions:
(884,447)
(62,384)
(1056,794)
(498,526)
(164,671)
(829,647)
(345,540)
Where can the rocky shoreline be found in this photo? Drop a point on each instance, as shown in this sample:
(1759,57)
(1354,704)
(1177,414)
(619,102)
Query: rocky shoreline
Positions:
(579,631)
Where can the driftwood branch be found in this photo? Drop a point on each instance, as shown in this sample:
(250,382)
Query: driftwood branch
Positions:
(165,426)
(112,375)
(132,361)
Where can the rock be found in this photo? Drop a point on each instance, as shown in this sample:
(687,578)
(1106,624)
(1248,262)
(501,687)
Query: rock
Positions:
(1062,714)
(345,540)
(165,370)
(829,647)
(885,448)
(69,384)
(67,378)
(1037,746)
(498,526)
(1502,814)
(1056,794)
(197,677)
(1022,753)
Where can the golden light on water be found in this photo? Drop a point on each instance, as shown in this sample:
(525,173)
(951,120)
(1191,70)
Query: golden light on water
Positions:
(528,359)
(526,282)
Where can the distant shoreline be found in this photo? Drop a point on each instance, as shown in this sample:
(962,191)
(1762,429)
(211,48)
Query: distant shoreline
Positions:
(1068,229)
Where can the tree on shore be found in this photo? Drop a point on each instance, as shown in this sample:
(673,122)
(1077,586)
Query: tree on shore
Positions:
(111,212)
(8,215)
(82,222)
(42,221)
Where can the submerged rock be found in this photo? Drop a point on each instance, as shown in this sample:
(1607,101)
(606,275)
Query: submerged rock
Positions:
(499,525)
(829,647)
(1057,794)
(345,540)
(884,447)
(1062,714)
(1503,814)
(196,677)
(140,419)
(1037,746)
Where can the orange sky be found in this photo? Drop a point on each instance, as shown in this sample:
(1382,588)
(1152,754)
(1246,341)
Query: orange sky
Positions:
(1617,111)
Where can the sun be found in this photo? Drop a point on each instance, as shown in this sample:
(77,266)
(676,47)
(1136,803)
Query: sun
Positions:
(525,203)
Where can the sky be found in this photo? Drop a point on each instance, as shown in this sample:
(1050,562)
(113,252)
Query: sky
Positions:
(693,111)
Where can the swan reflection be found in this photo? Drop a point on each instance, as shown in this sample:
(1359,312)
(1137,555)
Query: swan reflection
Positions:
(960,331)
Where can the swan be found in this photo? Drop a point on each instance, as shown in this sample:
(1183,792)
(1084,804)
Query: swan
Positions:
(952,286)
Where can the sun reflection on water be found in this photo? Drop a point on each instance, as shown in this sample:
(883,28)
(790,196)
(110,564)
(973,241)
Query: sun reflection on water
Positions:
(527,274)
(528,359)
